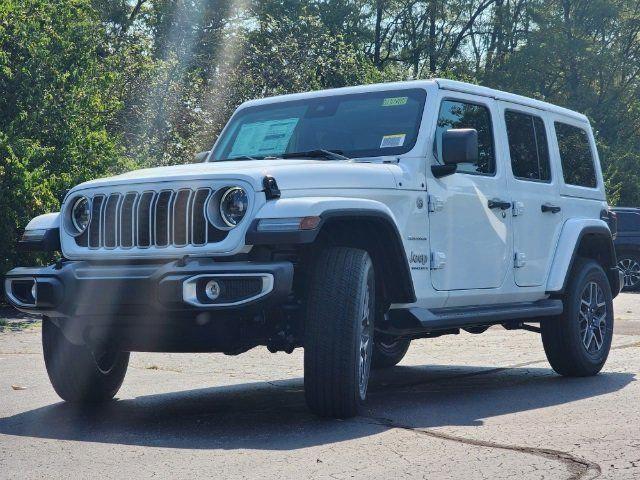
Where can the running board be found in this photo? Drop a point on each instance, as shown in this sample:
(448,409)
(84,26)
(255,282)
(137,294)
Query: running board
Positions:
(423,320)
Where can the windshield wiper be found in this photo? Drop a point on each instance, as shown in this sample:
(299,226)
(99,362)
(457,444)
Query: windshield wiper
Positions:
(238,158)
(319,153)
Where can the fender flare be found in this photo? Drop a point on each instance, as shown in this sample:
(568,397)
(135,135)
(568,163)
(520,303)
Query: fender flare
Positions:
(574,231)
(394,262)
(42,234)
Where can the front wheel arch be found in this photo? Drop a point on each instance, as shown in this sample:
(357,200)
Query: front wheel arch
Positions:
(376,233)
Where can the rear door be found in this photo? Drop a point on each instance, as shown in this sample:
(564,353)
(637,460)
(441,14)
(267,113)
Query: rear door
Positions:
(537,213)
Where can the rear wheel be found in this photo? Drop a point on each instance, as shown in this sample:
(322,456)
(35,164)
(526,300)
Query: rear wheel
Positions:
(76,373)
(338,344)
(629,264)
(389,351)
(577,342)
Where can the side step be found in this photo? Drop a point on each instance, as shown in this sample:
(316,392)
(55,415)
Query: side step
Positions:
(423,320)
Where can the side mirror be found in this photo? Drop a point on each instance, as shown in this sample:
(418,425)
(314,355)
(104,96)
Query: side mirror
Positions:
(201,156)
(459,145)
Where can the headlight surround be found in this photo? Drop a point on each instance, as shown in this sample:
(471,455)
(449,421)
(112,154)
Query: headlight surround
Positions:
(234,204)
(79,216)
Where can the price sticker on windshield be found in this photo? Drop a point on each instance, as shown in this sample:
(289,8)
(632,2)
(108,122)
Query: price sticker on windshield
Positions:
(394,101)
(396,140)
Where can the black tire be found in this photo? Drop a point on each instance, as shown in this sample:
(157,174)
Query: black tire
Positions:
(75,374)
(629,263)
(339,316)
(388,352)
(565,337)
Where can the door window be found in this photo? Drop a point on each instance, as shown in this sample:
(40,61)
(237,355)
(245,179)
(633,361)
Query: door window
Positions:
(458,114)
(575,156)
(528,146)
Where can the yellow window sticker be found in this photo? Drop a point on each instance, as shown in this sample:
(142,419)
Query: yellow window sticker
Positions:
(395,140)
(394,101)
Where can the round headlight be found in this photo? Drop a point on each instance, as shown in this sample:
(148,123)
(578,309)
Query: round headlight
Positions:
(233,206)
(80,215)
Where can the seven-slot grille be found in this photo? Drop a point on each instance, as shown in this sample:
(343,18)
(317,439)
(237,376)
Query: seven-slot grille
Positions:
(150,219)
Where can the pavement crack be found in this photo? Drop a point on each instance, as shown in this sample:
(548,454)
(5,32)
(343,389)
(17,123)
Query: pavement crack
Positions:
(579,468)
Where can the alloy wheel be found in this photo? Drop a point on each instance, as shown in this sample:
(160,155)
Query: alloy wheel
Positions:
(366,337)
(593,317)
(630,268)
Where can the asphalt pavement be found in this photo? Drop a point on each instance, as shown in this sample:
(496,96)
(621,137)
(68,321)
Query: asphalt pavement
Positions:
(465,406)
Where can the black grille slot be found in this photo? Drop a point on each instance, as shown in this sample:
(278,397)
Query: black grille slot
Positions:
(151,218)
(110,223)
(94,226)
(144,215)
(181,218)
(127,220)
(199,219)
(162,218)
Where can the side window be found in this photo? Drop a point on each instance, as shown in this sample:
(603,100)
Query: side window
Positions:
(528,146)
(576,156)
(457,114)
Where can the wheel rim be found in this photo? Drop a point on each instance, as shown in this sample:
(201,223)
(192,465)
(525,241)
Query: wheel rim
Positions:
(593,317)
(366,335)
(631,270)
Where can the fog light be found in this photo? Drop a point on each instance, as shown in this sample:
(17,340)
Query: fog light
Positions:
(34,292)
(212,290)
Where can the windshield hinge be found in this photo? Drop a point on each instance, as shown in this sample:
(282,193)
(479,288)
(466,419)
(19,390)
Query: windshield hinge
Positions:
(271,189)
(435,204)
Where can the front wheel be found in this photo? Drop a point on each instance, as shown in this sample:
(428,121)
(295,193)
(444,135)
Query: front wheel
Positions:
(76,373)
(577,342)
(338,342)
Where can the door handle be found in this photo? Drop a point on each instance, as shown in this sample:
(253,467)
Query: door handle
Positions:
(501,204)
(547,207)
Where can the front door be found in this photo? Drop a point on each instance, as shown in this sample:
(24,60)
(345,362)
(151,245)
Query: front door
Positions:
(537,213)
(470,210)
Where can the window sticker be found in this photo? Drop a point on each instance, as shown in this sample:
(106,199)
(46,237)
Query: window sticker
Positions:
(264,138)
(396,140)
(394,101)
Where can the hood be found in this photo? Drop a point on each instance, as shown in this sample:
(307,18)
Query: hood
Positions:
(289,174)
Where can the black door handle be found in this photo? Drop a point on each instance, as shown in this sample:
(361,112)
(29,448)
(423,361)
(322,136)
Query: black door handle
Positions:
(547,207)
(501,204)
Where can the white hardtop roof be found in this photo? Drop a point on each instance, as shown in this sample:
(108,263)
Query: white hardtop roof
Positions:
(441,83)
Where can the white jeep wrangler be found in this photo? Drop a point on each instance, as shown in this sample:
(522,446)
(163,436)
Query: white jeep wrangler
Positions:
(347,222)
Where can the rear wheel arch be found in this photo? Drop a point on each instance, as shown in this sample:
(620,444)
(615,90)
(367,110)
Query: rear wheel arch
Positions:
(595,242)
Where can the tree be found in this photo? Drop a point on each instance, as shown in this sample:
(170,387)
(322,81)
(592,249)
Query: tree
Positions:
(56,103)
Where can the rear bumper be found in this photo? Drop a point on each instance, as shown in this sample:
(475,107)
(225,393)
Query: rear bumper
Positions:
(80,288)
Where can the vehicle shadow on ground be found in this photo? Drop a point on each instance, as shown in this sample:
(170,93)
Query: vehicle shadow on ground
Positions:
(273,416)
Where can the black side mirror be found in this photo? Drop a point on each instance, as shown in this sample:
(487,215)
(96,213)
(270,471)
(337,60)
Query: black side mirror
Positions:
(201,156)
(459,145)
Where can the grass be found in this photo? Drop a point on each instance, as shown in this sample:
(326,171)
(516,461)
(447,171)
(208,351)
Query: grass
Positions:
(12,321)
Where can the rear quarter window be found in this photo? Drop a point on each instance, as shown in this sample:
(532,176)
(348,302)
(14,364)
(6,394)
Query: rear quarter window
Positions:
(576,156)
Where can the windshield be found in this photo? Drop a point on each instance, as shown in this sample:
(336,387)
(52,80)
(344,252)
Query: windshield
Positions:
(355,125)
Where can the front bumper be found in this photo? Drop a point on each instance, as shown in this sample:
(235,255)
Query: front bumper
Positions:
(81,288)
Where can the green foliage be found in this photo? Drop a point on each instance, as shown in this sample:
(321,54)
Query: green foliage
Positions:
(55,100)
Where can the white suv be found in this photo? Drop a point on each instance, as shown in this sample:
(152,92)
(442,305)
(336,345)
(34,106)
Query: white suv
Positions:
(347,222)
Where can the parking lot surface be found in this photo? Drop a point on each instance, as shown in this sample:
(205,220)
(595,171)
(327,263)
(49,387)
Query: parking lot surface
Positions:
(465,406)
